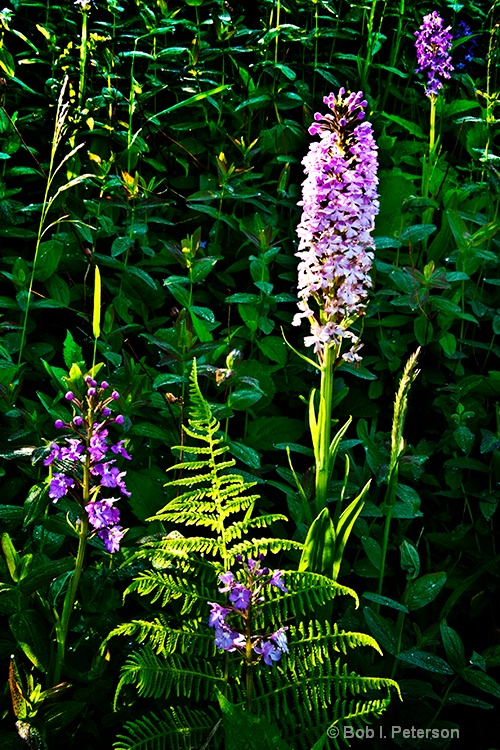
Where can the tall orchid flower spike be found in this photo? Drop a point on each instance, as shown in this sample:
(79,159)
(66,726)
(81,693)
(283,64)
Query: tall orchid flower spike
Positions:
(433,52)
(340,202)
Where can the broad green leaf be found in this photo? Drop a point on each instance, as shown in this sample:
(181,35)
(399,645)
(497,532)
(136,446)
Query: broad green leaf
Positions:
(410,560)
(430,662)
(382,629)
(453,646)
(385,600)
(424,590)
(482,681)
(31,634)
(319,547)
(243,398)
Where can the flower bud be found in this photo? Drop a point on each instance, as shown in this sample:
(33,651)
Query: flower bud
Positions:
(119,419)
(69,396)
(77,421)
(115,395)
(58,424)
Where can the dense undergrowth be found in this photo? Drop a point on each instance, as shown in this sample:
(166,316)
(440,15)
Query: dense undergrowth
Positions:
(162,143)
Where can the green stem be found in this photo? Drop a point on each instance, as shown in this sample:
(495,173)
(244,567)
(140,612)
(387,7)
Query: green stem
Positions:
(323,469)
(62,625)
(390,498)
(83,59)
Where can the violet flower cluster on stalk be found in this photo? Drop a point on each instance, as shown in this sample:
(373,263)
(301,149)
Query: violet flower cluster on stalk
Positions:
(464,54)
(340,202)
(237,635)
(91,448)
(433,46)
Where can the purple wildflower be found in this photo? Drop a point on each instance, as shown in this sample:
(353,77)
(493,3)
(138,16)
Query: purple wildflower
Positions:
(225,638)
(228,580)
(280,639)
(464,53)
(217,615)
(54,455)
(433,52)
(111,538)
(240,596)
(275,580)
(340,202)
(98,443)
(102,513)
(270,653)
(59,486)
(111,476)
(118,449)
(74,452)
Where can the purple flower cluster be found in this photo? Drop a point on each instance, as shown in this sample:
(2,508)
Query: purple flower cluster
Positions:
(340,202)
(464,53)
(433,52)
(90,451)
(243,598)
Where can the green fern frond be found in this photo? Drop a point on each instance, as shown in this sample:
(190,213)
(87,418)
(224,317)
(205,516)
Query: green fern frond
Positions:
(155,677)
(236,530)
(163,639)
(181,728)
(322,637)
(166,587)
(356,684)
(306,592)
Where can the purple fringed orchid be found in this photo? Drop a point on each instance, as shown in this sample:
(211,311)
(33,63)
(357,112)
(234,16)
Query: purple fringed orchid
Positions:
(340,202)
(433,47)
(89,452)
(243,597)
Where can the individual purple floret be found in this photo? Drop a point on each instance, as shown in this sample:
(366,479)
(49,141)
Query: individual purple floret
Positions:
(270,653)
(111,538)
(240,596)
(225,638)
(340,202)
(59,486)
(464,54)
(275,580)
(102,513)
(119,449)
(433,46)
(218,615)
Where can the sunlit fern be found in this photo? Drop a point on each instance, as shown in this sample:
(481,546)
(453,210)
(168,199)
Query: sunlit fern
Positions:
(176,659)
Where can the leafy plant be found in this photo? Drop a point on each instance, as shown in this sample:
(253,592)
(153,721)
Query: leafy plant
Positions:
(177,654)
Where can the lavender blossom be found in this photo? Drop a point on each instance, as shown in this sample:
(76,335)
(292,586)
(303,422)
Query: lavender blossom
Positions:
(433,52)
(340,202)
(59,486)
(111,537)
(102,513)
(243,598)
(91,448)
(270,653)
